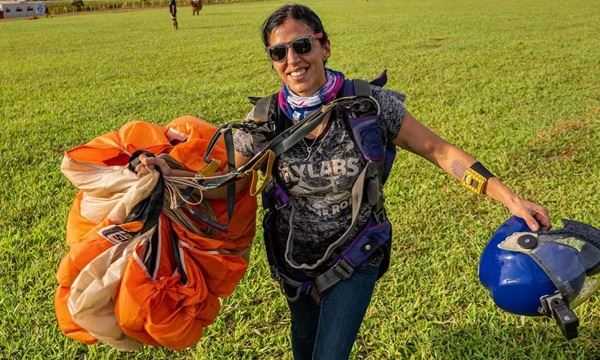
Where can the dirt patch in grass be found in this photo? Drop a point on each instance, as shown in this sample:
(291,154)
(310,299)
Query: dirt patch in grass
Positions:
(560,129)
(561,142)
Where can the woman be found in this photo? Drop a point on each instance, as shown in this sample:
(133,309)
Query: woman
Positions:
(299,48)
(318,174)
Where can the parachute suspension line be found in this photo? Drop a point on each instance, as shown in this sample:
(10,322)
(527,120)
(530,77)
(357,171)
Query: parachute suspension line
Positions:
(171,185)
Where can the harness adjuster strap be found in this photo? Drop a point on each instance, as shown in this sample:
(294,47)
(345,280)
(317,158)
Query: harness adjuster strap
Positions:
(373,191)
(275,273)
(298,287)
(342,270)
(293,298)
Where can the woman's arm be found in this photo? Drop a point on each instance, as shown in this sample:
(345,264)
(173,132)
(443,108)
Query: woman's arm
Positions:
(418,139)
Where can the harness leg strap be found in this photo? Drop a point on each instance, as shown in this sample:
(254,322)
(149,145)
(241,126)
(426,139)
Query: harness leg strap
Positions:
(342,270)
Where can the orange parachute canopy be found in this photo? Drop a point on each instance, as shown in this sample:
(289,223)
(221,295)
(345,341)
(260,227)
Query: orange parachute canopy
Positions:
(142,269)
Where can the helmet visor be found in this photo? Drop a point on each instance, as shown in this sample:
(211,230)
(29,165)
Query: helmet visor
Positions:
(559,260)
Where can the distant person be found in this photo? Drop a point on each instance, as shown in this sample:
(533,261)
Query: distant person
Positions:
(173,11)
(196,7)
(326,231)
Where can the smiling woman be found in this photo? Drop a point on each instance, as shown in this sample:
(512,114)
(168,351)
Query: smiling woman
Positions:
(326,232)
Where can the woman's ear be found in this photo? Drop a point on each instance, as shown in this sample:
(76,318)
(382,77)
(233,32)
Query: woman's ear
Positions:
(326,50)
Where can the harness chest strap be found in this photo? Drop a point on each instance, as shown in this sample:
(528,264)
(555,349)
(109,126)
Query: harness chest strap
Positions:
(278,145)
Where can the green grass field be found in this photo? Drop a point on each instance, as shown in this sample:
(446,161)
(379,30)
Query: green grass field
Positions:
(516,82)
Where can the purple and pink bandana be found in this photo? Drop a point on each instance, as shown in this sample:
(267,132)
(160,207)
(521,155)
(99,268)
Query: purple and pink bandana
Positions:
(298,107)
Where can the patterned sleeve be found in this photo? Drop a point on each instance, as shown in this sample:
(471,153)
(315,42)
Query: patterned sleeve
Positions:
(392,110)
(253,136)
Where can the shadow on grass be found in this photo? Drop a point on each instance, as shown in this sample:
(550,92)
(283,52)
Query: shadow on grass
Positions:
(535,339)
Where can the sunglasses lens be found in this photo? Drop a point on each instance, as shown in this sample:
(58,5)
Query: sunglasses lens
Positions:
(302,46)
(278,52)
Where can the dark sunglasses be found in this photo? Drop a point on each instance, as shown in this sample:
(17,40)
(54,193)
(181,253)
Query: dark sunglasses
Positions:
(302,45)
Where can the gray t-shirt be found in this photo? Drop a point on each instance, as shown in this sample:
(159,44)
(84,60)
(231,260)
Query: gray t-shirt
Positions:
(318,175)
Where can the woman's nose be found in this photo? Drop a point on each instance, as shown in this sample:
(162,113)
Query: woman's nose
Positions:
(292,56)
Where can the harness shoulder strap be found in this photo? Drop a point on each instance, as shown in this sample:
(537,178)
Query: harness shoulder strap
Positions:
(262,108)
(361,87)
(380,80)
(266,110)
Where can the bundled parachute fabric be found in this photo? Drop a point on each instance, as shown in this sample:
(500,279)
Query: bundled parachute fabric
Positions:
(148,257)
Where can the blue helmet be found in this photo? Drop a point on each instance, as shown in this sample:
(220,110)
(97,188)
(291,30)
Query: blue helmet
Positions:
(542,273)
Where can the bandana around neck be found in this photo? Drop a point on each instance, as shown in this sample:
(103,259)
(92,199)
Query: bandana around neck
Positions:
(298,107)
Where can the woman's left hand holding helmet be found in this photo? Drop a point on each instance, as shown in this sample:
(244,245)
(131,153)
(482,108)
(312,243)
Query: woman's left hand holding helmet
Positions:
(535,215)
(417,138)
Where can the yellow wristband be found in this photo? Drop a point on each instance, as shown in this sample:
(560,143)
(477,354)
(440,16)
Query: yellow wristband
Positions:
(475,178)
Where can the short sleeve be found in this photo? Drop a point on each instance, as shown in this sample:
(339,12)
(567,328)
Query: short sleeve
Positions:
(253,136)
(392,110)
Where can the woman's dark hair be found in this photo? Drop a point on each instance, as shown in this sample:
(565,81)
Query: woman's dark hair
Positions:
(296,12)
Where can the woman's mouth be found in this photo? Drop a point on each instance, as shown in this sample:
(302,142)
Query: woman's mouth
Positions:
(297,74)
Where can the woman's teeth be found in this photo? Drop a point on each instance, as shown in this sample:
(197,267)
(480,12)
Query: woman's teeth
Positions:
(298,73)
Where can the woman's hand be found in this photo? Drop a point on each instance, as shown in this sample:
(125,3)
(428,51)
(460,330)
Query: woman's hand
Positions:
(536,216)
(148,163)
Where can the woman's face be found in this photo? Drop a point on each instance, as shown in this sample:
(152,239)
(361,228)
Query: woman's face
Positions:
(304,74)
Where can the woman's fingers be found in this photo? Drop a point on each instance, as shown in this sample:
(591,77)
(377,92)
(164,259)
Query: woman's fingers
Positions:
(152,162)
(541,215)
(147,161)
(141,169)
(531,222)
(145,165)
(535,216)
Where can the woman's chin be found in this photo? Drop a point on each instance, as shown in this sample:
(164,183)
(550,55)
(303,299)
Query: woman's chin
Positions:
(302,89)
